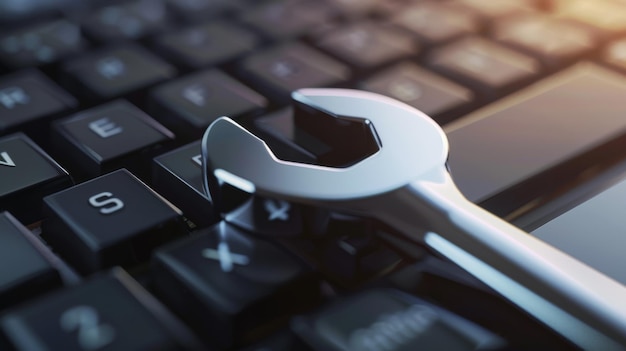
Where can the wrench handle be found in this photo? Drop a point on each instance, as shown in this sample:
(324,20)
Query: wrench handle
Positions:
(572,298)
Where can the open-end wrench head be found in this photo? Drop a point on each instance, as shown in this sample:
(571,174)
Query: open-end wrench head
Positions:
(411,146)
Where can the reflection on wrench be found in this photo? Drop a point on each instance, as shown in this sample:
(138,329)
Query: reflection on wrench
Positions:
(406,185)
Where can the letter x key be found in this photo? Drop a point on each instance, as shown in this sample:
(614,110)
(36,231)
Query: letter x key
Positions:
(226,258)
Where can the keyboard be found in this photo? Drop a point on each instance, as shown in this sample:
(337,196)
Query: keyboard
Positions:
(109,242)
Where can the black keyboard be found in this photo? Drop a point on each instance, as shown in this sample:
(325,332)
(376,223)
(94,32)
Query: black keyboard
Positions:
(109,242)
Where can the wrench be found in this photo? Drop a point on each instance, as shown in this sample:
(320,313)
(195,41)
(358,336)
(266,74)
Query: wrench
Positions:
(406,185)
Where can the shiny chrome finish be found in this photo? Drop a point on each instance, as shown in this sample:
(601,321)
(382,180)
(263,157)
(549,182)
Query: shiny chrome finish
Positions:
(406,185)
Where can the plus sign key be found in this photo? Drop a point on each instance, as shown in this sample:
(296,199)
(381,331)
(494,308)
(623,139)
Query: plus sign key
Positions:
(228,284)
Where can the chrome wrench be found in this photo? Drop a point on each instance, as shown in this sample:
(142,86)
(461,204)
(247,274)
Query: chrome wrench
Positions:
(406,185)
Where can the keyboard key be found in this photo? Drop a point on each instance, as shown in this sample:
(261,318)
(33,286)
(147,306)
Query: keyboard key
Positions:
(288,18)
(367,45)
(112,72)
(388,319)
(483,64)
(268,217)
(189,104)
(293,66)
(226,284)
(40,44)
(27,98)
(28,270)
(554,42)
(497,9)
(110,220)
(437,22)
(27,174)
(354,7)
(108,137)
(615,54)
(207,44)
(605,15)
(536,141)
(432,94)
(130,20)
(200,10)
(108,312)
(178,177)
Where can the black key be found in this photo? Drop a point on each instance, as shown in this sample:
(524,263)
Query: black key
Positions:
(200,10)
(108,312)
(484,65)
(27,174)
(112,72)
(437,22)
(40,44)
(367,45)
(27,98)
(553,42)
(269,217)
(177,175)
(108,137)
(293,66)
(391,320)
(355,257)
(110,220)
(540,139)
(288,18)
(432,94)
(352,7)
(227,284)
(130,20)
(207,44)
(189,104)
(28,270)
(283,341)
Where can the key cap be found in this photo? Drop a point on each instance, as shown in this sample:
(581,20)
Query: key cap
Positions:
(40,44)
(111,220)
(609,17)
(553,42)
(556,116)
(436,22)
(108,137)
(200,10)
(498,9)
(189,104)
(615,54)
(27,174)
(434,95)
(112,72)
(177,175)
(390,320)
(28,269)
(484,65)
(420,202)
(108,312)
(289,18)
(226,283)
(130,20)
(289,67)
(27,98)
(207,44)
(367,45)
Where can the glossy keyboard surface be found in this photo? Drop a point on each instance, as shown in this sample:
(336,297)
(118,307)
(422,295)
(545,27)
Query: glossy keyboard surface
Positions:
(108,241)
